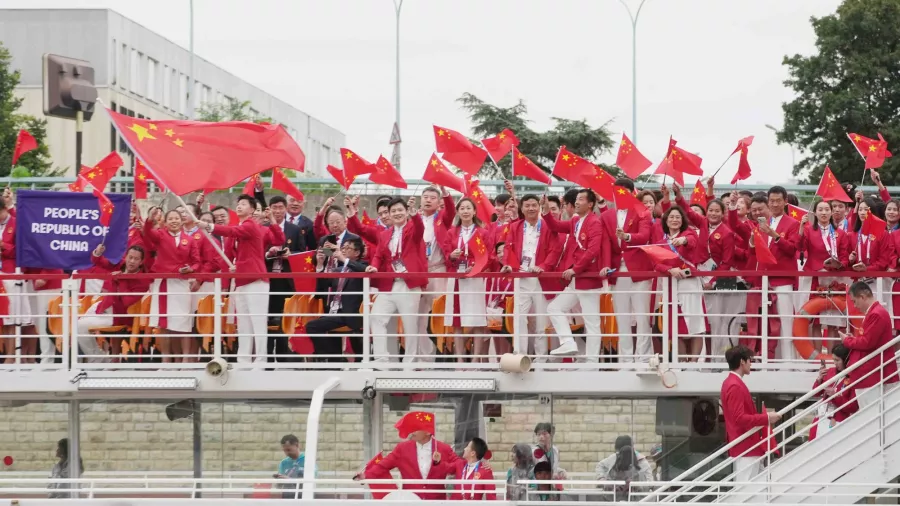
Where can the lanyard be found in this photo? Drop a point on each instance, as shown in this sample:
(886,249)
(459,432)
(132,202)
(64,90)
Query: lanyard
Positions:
(859,241)
(534,235)
(578,229)
(712,230)
(398,233)
(463,239)
(830,241)
(434,218)
(474,475)
(680,256)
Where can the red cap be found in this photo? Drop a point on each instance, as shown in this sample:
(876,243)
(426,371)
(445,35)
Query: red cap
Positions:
(415,421)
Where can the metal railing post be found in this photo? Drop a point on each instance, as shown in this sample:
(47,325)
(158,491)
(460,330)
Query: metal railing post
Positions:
(664,327)
(670,315)
(764,320)
(517,325)
(69,323)
(218,302)
(366,317)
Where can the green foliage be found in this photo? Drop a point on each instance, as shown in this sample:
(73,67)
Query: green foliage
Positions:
(231,110)
(852,84)
(541,147)
(33,163)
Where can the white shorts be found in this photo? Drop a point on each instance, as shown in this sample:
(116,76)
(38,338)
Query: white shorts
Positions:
(20,294)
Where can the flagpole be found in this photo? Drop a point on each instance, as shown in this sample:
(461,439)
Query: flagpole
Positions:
(215,244)
(723,164)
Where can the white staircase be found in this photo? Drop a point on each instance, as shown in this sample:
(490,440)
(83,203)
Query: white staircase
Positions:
(863,449)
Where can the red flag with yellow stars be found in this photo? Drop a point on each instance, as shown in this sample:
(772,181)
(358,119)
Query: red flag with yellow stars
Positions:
(366,220)
(830,189)
(99,175)
(797,212)
(374,472)
(877,153)
(106,207)
(281,183)
(459,150)
(630,160)
(438,173)
(252,184)
(865,145)
(303,263)
(523,166)
(501,144)
(141,176)
(679,162)
(743,171)
(478,246)
(483,207)
(572,167)
(25,142)
(355,165)
(743,144)
(386,174)
(657,252)
(340,176)
(624,199)
(187,156)
(698,196)
(873,226)
(761,247)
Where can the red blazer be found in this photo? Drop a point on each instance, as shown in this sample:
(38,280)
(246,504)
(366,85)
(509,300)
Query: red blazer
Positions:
(695,219)
(370,235)
(412,253)
(638,225)
(134,288)
(472,491)
(404,459)
(895,240)
(876,332)
(8,246)
(878,256)
(547,256)
(453,241)
(812,245)
(443,221)
(785,250)
(721,247)
(686,251)
(591,256)
(845,397)
(741,416)
(319,227)
(210,259)
(169,257)
(247,254)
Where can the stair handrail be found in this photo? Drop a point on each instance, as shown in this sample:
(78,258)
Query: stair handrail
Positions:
(683,477)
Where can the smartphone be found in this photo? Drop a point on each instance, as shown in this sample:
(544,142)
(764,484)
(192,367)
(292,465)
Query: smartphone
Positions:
(687,273)
(762,221)
(610,272)
(822,362)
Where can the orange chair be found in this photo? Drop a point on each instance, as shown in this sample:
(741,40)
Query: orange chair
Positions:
(438,329)
(608,324)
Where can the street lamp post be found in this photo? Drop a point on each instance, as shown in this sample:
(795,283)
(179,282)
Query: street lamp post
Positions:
(793,151)
(398,4)
(190,90)
(634,22)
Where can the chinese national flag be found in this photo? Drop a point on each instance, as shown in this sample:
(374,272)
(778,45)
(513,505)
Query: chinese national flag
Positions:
(483,207)
(877,153)
(630,159)
(478,247)
(624,199)
(99,175)
(679,162)
(281,183)
(366,220)
(386,174)
(106,207)
(186,156)
(873,226)
(303,263)
(760,245)
(355,165)
(797,212)
(25,142)
(233,219)
(498,146)
(438,173)
(666,169)
(374,472)
(458,150)
(743,144)
(830,189)
(771,442)
(743,171)
(866,146)
(573,168)
(698,196)
(141,176)
(522,166)
(250,187)
(658,253)
(339,176)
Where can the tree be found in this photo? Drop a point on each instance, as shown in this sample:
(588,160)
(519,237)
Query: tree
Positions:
(33,163)
(231,110)
(851,85)
(541,147)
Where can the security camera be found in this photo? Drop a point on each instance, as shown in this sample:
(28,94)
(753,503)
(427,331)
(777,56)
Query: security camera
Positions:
(216,367)
(515,363)
(368,393)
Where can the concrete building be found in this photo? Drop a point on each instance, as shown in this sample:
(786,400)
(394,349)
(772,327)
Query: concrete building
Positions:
(141,74)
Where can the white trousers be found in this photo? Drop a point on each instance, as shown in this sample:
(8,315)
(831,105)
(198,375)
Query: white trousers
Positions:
(868,396)
(40,303)
(559,308)
(784,304)
(722,331)
(251,303)
(626,306)
(87,341)
(424,347)
(746,468)
(401,300)
(530,299)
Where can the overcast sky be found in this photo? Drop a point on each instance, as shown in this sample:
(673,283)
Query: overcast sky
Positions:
(709,71)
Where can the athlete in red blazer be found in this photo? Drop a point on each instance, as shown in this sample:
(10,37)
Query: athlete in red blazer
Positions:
(412,254)
(875,333)
(738,407)
(637,228)
(477,486)
(589,251)
(547,255)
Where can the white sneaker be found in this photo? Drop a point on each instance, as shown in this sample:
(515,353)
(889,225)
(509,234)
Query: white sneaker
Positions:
(569,348)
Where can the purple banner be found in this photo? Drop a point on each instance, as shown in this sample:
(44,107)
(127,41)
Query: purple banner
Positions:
(59,230)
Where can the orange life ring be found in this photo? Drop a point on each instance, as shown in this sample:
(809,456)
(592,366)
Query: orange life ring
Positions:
(813,308)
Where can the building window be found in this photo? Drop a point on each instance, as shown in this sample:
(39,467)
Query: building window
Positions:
(133,71)
(182,94)
(115,62)
(167,88)
(207,95)
(151,80)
